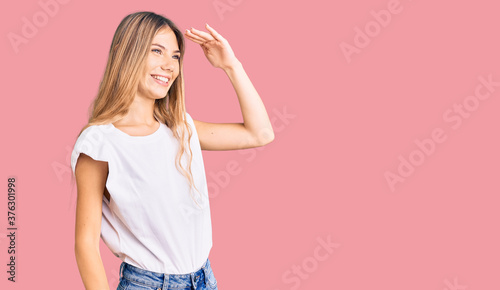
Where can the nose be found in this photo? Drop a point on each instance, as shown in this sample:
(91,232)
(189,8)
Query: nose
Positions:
(168,64)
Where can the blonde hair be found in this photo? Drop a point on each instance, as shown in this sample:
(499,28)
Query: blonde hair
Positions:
(125,68)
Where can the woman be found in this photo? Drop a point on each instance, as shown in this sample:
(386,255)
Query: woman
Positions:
(140,178)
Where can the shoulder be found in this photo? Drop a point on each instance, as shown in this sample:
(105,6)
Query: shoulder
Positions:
(92,128)
(190,120)
(92,142)
(95,133)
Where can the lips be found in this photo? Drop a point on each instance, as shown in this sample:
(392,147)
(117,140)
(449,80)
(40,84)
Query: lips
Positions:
(162,80)
(164,76)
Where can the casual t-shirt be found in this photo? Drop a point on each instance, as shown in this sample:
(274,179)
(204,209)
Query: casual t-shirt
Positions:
(151,221)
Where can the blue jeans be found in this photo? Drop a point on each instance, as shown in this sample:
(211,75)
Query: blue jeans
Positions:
(132,278)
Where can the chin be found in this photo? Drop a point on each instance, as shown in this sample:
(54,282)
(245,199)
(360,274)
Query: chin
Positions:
(161,96)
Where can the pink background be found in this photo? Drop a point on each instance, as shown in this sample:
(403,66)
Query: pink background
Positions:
(350,120)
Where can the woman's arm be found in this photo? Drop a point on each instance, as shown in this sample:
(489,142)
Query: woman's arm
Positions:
(91,178)
(256,129)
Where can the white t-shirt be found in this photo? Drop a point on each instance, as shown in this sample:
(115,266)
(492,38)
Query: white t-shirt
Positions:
(151,221)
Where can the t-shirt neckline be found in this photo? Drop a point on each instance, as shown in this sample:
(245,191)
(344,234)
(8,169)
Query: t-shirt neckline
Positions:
(138,138)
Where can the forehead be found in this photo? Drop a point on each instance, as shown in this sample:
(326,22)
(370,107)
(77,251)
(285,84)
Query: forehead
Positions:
(166,37)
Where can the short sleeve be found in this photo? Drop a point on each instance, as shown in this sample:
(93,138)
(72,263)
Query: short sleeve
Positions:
(191,123)
(188,117)
(92,142)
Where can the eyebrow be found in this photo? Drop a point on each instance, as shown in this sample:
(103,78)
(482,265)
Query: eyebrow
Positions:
(164,47)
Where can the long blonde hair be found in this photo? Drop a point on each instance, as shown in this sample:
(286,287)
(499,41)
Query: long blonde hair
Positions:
(125,68)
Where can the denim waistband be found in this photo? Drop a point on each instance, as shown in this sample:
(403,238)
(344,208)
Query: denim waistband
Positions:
(162,280)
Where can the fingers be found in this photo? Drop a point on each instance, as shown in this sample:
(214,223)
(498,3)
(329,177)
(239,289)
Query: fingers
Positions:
(215,34)
(201,34)
(195,40)
(194,37)
(201,37)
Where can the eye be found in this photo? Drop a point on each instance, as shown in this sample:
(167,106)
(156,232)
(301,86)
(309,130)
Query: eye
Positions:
(157,50)
(177,56)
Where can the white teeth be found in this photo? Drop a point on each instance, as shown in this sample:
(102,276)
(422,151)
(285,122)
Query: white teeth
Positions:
(164,79)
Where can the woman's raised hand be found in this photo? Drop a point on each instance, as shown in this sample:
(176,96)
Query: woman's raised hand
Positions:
(216,48)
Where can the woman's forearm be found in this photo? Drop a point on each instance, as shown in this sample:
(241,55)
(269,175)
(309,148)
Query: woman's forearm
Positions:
(254,113)
(91,267)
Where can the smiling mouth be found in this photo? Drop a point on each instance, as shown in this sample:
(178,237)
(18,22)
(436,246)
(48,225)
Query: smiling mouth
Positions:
(160,80)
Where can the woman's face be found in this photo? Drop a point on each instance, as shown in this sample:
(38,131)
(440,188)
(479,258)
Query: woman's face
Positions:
(162,62)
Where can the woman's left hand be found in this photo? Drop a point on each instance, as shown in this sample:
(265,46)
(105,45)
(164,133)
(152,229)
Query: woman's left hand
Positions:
(216,48)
